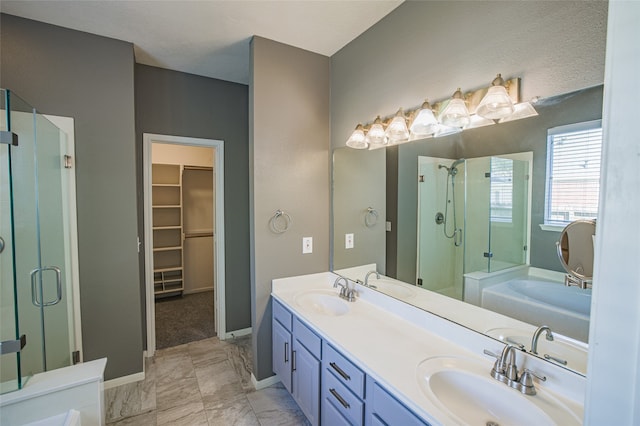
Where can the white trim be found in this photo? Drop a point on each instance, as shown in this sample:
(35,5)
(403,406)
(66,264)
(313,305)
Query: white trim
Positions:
(237,333)
(120,381)
(66,124)
(264,383)
(553,228)
(218,146)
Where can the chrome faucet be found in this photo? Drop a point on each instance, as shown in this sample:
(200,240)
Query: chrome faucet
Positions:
(366,278)
(505,370)
(536,336)
(346,293)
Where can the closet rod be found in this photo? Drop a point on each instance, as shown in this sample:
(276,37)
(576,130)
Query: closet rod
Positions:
(210,169)
(199,235)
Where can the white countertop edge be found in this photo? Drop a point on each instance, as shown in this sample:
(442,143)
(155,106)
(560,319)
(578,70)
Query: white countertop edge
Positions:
(57,380)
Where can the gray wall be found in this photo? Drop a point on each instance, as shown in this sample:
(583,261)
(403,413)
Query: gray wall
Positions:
(175,103)
(90,78)
(359,182)
(289,157)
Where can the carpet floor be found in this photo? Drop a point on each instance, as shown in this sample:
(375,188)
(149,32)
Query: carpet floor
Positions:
(184,319)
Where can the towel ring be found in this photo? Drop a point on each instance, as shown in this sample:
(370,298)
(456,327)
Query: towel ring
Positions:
(281,218)
(370,217)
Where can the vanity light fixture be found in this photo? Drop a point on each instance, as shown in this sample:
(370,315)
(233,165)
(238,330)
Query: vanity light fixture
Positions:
(376,135)
(397,130)
(486,106)
(425,123)
(496,104)
(357,139)
(455,114)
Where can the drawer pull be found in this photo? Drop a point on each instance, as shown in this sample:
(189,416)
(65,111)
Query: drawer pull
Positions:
(293,360)
(286,351)
(340,399)
(340,371)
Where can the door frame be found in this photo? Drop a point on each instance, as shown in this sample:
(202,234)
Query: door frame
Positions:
(70,217)
(219,238)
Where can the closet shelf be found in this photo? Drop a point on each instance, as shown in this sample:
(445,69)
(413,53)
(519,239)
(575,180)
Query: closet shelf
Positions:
(166,184)
(167,206)
(160,228)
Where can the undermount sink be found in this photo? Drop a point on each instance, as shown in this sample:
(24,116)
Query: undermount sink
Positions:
(325,302)
(390,288)
(561,348)
(465,392)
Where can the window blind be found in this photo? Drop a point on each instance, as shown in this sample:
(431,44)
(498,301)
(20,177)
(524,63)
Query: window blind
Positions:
(501,189)
(573,172)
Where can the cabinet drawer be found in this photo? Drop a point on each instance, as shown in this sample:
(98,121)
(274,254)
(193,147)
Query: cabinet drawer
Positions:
(331,416)
(281,314)
(347,373)
(307,338)
(342,399)
(386,408)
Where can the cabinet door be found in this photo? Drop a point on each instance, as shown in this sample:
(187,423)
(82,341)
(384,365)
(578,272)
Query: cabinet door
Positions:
(331,416)
(281,355)
(306,382)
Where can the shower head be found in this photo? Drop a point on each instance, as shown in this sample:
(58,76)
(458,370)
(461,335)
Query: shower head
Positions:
(442,166)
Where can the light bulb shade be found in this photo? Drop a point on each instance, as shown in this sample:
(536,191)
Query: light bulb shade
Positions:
(397,130)
(375,135)
(496,104)
(357,139)
(425,123)
(455,114)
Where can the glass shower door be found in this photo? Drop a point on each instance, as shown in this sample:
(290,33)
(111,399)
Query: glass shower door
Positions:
(38,229)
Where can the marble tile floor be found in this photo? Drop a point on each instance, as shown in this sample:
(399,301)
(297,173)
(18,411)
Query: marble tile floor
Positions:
(206,383)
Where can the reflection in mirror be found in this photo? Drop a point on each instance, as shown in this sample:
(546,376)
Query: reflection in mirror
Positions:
(575,251)
(491,252)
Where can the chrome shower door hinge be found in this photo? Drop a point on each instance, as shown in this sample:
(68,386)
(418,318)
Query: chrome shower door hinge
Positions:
(13,346)
(68,162)
(75,357)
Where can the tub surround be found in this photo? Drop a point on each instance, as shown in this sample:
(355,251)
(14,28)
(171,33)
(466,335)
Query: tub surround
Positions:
(78,387)
(376,322)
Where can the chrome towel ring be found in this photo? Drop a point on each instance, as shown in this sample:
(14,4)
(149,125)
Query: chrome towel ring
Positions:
(370,217)
(280,222)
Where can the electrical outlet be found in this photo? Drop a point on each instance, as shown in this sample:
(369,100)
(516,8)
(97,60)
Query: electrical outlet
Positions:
(307,245)
(348,241)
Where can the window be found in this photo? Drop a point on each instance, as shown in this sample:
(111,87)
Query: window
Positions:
(501,189)
(573,172)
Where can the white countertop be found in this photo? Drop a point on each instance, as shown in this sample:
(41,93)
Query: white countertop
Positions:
(388,339)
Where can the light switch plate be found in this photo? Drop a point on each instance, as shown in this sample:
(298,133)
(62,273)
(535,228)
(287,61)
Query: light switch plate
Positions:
(348,241)
(307,245)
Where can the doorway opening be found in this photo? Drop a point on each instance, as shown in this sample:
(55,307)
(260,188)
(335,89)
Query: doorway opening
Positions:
(184,239)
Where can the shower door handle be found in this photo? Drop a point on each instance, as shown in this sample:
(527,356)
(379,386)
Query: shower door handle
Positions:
(34,286)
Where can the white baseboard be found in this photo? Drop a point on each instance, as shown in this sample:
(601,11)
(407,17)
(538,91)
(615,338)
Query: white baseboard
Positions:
(237,333)
(264,383)
(119,381)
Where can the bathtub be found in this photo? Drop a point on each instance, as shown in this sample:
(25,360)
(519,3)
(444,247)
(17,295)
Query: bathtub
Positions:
(565,309)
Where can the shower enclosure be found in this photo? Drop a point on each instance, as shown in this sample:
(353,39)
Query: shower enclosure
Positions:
(473,215)
(36,315)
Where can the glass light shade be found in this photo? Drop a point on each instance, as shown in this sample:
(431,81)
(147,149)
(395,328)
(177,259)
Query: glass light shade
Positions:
(522,110)
(496,104)
(375,135)
(397,130)
(444,130)
(357,139)
(425,123)
(455,114)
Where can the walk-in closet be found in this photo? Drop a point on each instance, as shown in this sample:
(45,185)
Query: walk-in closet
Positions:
(183,194)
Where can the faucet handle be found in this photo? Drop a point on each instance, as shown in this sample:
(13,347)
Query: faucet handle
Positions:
(488,352)
(526,377)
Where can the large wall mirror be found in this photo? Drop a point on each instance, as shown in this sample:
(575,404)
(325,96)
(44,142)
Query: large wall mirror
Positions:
(452,222)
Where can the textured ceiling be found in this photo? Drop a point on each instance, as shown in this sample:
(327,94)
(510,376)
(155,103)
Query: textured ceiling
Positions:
(210,37)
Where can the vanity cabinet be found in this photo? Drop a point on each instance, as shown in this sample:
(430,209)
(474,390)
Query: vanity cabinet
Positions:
(383,409)
(329,388)
(296,357)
